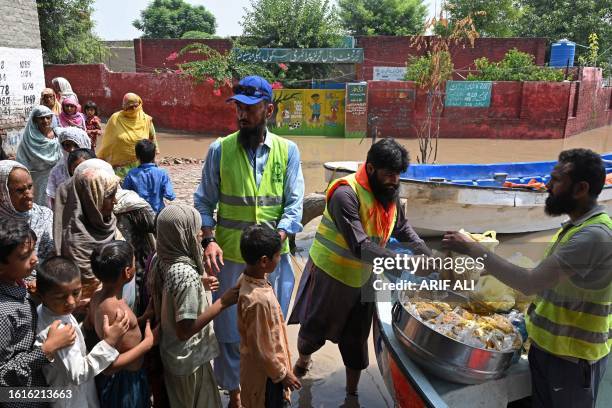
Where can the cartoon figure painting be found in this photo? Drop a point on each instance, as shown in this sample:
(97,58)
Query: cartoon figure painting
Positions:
(315,107)
(332,120)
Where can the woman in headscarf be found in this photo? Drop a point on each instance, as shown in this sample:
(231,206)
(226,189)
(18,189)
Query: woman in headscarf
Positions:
(136,223)
(16,202)
(39,150)
(47,98)
(178,287)
(86,219)
(123,130)
(63,89)
(70,139)
(70,115)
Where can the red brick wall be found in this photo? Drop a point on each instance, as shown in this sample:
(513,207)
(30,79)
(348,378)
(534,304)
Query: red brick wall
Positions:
(533,110)
(592,103)
(393,51)
(152,54)
(519,110)
(172,101)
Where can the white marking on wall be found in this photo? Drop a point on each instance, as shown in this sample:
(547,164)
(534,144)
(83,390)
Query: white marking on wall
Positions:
(22,78)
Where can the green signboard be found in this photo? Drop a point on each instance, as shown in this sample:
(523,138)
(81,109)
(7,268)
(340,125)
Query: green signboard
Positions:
(474,94)
(356,93)
(307,55)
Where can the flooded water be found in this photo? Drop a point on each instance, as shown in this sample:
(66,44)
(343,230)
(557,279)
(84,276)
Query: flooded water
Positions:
(324,386)
(317,150)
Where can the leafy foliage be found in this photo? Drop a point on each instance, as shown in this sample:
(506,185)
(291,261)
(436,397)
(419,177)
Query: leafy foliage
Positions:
(383,17)
(422,69)
(574,20)
(491,18)
(516,66)
(431,73)
(218,68)
(66,32)
(590,59)
(197,35)
(293,24)
(173,18)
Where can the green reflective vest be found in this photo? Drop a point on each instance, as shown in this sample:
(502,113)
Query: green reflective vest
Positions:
(241,202)
(330,252)
(570,320)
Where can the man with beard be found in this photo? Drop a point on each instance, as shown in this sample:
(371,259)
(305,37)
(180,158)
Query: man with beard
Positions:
(256,178)
(570,322)
(362,213)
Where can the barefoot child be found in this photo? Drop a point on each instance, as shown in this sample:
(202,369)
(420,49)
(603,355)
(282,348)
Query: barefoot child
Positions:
(59,286)
(182,304)
(266,378)
(21,360)
(124,383)
(92,123)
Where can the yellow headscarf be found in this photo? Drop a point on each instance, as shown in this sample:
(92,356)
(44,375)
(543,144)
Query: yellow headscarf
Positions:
(57,108)
(123,130)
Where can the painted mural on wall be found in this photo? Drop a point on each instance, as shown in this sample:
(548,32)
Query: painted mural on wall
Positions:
(317,112)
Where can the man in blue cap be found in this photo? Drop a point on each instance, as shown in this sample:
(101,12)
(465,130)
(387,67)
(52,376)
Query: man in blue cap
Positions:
(256,178)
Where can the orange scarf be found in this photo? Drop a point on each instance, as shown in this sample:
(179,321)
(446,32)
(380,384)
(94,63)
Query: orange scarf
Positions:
(383,218)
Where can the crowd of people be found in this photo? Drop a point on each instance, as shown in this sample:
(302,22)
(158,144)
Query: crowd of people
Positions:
(104,284)
(125,300)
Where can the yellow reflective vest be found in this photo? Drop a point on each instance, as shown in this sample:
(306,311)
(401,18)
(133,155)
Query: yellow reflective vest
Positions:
(571,320)
(330,252)
(241,202)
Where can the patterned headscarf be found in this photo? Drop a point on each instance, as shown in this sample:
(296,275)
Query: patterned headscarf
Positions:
(76,135)
(177,228)
(36,151)
(79,225)
(6,206)
(76,119)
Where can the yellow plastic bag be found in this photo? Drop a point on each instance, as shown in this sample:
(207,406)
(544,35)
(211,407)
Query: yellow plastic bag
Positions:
(487,239)
(495,294)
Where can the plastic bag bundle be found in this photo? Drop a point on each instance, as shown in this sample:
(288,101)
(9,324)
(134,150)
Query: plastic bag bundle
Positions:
(491,332)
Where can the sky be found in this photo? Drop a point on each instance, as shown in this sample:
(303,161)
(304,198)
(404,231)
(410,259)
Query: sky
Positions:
(114,18)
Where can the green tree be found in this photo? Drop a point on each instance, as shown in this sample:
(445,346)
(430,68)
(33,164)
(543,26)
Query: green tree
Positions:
(571,19)
(383,17)
(293,24)
(66,32)
(491,18)
(173,18)
(515,66)
(217,68)
(197,35)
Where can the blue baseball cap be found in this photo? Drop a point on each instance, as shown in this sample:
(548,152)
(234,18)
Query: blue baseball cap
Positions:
(251,90)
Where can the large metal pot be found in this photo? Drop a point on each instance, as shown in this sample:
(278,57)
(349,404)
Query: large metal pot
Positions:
(446,357)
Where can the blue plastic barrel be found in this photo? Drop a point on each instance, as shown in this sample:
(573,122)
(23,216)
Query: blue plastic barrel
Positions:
(561,52)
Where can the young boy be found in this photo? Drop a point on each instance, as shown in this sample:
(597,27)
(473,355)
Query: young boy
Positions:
(266,377)
(59,286)
(20,360)
(149,181)
(124,383)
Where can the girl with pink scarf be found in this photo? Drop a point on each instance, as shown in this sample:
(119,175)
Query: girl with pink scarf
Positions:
(71,115)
